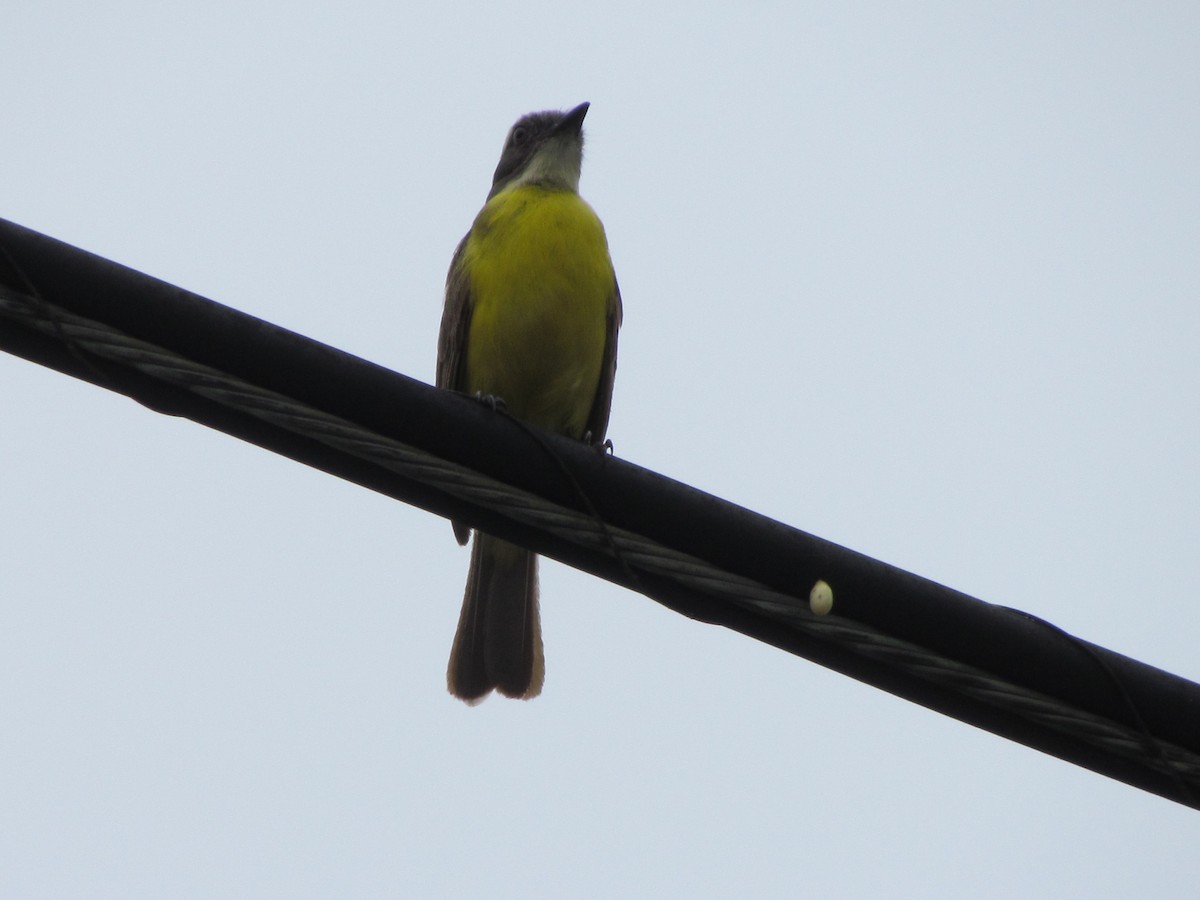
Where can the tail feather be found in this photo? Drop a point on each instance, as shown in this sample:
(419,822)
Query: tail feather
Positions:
(498,645)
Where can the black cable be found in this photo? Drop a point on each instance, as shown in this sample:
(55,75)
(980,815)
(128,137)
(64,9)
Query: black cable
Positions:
(701,556)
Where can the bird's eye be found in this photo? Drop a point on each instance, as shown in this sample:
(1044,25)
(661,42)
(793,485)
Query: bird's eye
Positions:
(520,135)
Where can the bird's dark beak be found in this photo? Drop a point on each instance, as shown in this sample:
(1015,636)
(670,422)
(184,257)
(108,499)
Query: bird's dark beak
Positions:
(572,122)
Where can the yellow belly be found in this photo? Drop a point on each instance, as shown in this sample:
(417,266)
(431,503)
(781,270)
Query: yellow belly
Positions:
(542,285)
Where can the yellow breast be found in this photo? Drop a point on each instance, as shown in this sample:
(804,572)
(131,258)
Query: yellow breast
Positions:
(542,287)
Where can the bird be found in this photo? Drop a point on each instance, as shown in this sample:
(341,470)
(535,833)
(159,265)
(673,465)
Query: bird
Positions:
(530,322)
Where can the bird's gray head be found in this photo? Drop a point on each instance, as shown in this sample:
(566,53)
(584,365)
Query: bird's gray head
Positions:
(543,148)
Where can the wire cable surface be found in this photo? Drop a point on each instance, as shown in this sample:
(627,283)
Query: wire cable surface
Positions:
(647,562)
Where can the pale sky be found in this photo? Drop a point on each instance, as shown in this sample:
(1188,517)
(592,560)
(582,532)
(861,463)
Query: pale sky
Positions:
(922,281)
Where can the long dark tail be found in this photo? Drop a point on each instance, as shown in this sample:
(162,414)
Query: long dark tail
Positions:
(498,644)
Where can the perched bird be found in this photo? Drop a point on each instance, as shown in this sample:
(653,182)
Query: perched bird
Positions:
(531,318)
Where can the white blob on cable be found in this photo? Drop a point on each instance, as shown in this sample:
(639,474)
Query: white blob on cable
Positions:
(820,598)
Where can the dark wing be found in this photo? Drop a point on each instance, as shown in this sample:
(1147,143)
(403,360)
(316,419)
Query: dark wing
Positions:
(597,423)
(456,319)
(452,341)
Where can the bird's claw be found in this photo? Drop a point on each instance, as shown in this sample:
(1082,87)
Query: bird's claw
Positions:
(491,401)
(605,448)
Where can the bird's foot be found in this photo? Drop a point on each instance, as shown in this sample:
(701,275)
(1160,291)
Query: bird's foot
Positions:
(491,401)
(605,448)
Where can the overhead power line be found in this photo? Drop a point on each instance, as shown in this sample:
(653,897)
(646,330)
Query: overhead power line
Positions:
(996,668)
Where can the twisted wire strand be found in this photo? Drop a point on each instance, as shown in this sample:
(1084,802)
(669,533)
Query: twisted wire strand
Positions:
(582,529)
